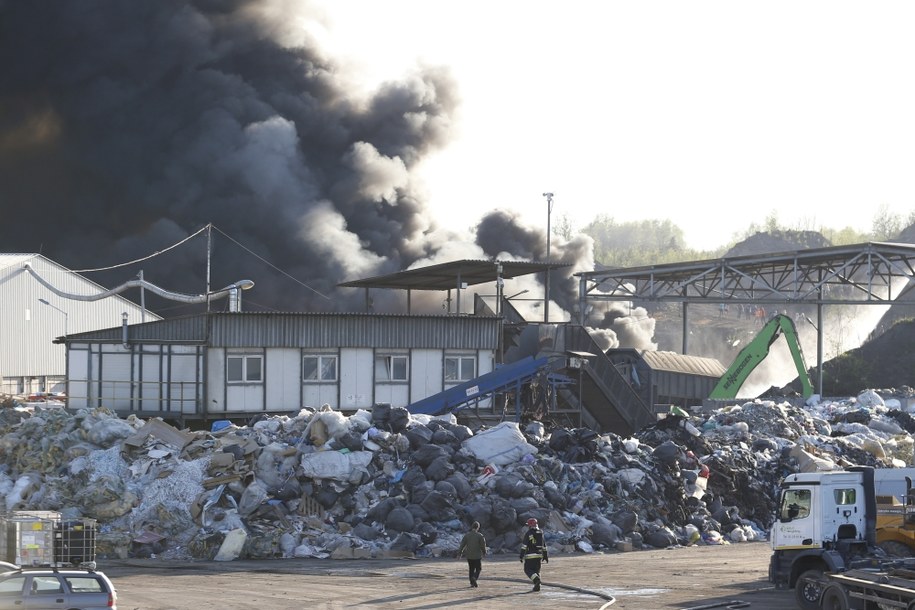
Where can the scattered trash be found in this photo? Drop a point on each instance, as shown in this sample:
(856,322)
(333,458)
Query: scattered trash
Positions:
(317,483)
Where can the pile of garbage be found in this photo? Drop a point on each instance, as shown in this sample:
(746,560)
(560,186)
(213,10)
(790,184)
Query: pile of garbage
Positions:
(387,483)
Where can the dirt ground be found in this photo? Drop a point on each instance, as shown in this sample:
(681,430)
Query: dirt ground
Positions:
(732,576)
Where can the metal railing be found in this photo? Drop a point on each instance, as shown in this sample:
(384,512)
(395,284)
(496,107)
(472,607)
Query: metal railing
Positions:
(617,390)
(182,398)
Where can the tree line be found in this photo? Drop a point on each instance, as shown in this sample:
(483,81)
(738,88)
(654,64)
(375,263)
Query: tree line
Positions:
(656,241)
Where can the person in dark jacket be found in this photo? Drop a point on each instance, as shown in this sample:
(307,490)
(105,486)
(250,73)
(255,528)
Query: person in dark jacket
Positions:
(473,546)
(533,551)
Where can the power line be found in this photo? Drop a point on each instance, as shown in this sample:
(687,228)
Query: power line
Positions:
(145,258)
(188,238)
(262,259)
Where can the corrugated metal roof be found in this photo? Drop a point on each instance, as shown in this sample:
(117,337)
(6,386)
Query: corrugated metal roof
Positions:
(680,363)
(446,276)
(311,329)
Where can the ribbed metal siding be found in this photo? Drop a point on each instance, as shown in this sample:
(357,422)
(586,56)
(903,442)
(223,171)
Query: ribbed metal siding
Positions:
(353,330)
(692,388)
(28,327)
(189,329)
(682,363)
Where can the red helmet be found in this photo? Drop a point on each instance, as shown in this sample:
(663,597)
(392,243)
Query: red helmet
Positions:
(532,522)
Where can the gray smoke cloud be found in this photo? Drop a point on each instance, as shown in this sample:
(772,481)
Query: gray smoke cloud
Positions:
(127,126)
(612,324)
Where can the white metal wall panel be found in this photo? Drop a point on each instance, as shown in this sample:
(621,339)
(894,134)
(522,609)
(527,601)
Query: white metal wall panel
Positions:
(28,326)
(485,364)
(116,386)
(216,380)
(245,398)
(315,396)
(395,394)
(357,373)
(425,373)
(283,375)
(78,377)
(184,389)
(249,396)
(151,376)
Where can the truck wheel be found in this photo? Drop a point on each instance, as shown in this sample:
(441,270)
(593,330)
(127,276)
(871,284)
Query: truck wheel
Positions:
(894,548)
(834,598)
(808,588)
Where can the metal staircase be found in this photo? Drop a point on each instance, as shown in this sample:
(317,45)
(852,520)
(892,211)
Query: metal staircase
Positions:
(606,395)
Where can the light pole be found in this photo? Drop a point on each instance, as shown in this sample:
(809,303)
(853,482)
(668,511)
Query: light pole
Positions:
(546,296)
(66,315)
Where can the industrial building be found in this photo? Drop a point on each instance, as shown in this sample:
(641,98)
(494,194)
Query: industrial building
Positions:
(32,316)
(240,364)
(236,365)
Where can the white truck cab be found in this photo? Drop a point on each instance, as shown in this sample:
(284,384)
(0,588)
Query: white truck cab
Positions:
(824,521)
(818,508)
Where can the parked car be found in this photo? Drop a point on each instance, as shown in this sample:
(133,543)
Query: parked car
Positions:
(53,589)
(6,566)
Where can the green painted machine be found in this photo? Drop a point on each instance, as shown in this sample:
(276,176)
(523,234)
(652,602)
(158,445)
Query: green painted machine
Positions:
(756,351)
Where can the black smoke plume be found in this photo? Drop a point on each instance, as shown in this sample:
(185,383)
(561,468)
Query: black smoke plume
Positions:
(127,126)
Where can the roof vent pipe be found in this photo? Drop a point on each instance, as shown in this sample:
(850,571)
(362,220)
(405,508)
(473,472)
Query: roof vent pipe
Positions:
(234,299)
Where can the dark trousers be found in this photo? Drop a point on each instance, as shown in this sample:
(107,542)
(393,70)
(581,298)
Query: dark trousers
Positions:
(474,565)
(532,569)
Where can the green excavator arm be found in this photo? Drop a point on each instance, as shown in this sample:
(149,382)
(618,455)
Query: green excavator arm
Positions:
(756,351)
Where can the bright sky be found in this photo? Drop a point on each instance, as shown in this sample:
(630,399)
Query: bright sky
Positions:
(711,114)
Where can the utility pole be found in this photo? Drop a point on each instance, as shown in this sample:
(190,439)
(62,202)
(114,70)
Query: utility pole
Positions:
(546,295)
(209,255)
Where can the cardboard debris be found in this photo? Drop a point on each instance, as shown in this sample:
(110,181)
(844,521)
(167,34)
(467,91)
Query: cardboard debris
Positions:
(157,428)
(321,484)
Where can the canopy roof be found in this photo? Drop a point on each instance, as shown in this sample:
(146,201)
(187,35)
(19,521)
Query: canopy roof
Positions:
(448,276)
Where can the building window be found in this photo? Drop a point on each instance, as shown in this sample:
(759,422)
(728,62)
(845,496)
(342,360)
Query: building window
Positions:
(319,367)
(390,368)
(460,368)
(244,369)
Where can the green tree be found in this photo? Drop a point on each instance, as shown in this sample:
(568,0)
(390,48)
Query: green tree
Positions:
(637,243)
(844,237)
(563,227)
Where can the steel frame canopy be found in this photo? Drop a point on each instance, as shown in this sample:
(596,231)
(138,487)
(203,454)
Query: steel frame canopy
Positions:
(454,275)
(872,273)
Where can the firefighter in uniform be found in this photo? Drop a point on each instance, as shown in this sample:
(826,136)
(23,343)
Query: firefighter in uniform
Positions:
(533,551)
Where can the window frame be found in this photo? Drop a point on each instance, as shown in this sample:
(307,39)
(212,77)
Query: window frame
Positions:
(245,369)
(319,368)
(389,367)
(460,359)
